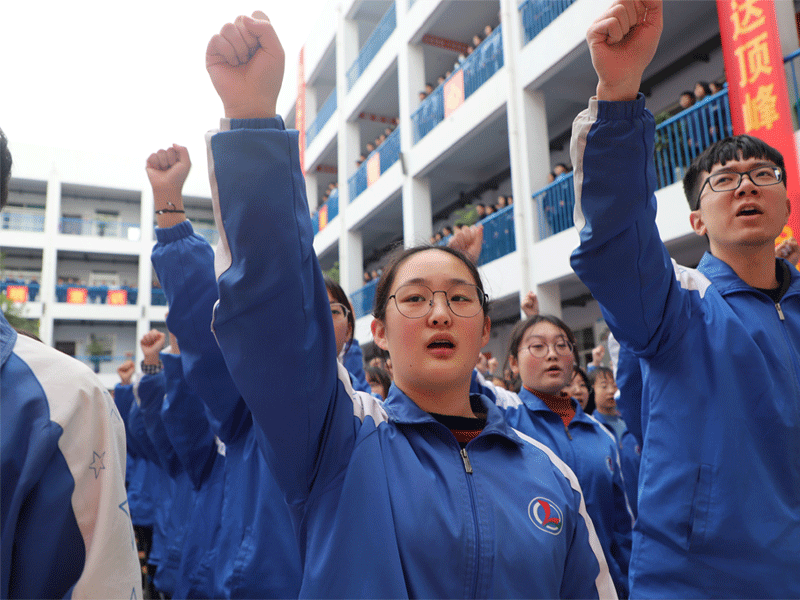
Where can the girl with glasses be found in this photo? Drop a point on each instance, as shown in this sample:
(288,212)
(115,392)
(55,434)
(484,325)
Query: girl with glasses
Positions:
(430,494)
(541,351)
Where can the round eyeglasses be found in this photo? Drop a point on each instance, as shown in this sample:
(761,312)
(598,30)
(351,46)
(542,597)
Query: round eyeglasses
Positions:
(728,181)
(416,300)
(339,312)
(539,349)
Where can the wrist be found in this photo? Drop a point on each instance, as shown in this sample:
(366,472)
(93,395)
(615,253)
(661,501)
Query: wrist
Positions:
(623,92)
(151,359)
(152,369)
(261,110)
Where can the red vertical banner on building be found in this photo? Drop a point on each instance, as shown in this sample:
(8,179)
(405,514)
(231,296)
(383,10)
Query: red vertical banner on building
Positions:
(300,109)
(373,168)
(17,293)
(758,95)
(453,93)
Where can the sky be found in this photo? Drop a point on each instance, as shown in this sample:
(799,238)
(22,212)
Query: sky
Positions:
(124,78)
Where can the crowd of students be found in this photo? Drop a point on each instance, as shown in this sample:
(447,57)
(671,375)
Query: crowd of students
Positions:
(276,466)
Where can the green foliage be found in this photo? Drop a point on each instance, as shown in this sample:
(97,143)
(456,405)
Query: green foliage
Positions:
(333,272)
(13,314)
(468,215)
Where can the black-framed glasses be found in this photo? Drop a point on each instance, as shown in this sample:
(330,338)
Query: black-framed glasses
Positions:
(339,312)
(415,301)
(728,181)
(540,348)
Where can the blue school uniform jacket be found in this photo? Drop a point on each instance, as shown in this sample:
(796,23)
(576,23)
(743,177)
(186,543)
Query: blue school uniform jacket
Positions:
(385,502)
(719,508)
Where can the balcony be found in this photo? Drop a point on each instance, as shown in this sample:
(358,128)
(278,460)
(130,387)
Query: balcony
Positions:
(326,213)
(538,14)
(373,44)
(476,70)
(76,293)
(20,291)
(376,164)
(19,219)
(100,228)
(678,141)
(363,299)
(498,235)
(323,116)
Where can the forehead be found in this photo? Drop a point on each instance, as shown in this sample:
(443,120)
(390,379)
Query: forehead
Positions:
(740,164)
(432,268)
(544,330)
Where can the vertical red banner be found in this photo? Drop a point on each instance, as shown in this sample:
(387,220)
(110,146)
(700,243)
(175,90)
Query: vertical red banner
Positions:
(758,95)
(300,109)
(453,93)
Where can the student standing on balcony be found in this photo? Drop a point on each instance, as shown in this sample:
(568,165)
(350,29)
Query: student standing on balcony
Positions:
(387,501)
(719,346)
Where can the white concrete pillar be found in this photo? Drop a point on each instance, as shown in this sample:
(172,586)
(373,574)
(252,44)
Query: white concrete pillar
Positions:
(49,277)
(417,211)
(351,261)
(147,208)
(312,191)
(549,296)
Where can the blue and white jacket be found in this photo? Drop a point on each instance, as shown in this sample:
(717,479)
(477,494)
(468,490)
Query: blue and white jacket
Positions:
(591,452)
(246,547)
(66,529)
(385,502)
(719,507)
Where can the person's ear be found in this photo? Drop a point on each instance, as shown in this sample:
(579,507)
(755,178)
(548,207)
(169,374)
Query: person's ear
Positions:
(487,328)
(513,365)
(379,334)
(697,222)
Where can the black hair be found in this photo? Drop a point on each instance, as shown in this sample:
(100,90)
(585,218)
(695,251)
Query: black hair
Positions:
(597,372)
(590,405)
(339,296)
(5,168)
(738,147)
(705,86)
(381,375)
(398,258)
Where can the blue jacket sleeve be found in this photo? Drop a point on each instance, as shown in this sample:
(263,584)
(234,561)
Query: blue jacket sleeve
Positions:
(185,423)
(184,263)
(273,319)
(123,398)
(152,389)
(621,257)
(354,363)
(138,431)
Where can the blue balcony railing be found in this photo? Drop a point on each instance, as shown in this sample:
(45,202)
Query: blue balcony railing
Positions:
(555,204)
(323,116)
(330,210)
(389,152)
(375,42)
(210,234)
(21,221)
(498,235)
(362,299)
(33,287)
(478,68)
(683,137)
(100,228)
(95,294)
(538,14)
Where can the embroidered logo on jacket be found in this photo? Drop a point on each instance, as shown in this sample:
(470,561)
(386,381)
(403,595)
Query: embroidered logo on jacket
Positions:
(546,515)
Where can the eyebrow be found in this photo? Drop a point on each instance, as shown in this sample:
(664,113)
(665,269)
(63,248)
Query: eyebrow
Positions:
(557,338)
(423,281)
(765,163)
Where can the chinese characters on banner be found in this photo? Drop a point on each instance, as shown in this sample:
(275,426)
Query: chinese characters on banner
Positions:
(373,168)
(758,95)
(453,93)
(117,297)
(17,293)
(77,295)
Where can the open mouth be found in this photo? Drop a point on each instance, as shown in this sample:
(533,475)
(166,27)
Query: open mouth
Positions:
(748,211)
(441,344)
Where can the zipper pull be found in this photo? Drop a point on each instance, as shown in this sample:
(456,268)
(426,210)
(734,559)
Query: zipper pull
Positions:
(780,312)
(566,430)
(465,458)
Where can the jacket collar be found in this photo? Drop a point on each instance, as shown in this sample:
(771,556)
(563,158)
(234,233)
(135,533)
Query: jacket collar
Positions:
(535,404)
(402,409)
(8,337)
(726,280)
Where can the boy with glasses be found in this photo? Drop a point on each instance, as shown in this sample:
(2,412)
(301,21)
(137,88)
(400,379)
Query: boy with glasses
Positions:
(719,346)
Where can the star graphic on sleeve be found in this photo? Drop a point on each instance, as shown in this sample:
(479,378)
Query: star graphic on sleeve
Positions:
(133,593)
(97,463)
(133,536)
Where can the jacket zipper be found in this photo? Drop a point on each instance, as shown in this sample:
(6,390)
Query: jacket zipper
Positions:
(468,471)
(780,312)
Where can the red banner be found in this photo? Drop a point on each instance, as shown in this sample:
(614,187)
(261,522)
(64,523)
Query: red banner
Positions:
(300,109)
(373,168)
(77,295)
(453,93)
(323,217)
(757,90)
(17,293)
(117,297)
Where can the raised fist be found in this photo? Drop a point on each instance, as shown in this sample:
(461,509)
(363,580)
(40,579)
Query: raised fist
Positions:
(530,304)
(152,342)
(126,371)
